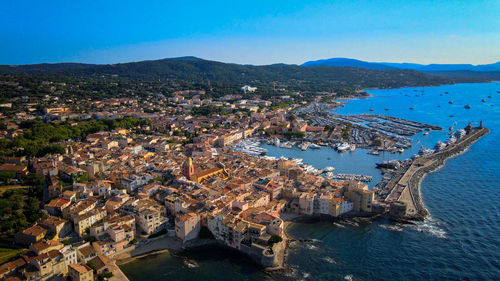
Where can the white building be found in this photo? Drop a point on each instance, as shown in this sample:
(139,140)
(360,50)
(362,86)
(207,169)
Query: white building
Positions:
(249,89)
(69,254)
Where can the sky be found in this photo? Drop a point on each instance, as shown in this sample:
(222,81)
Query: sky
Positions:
(249,32)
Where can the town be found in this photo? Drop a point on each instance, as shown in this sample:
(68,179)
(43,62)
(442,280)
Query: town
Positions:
(97,182)
(123,176)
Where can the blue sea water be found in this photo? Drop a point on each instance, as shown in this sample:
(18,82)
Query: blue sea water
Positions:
(461,241)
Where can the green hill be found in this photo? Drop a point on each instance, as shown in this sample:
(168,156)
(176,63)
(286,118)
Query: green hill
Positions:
(195,70)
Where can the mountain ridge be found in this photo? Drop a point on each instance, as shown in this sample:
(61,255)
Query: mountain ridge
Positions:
(404,65)
(196,70)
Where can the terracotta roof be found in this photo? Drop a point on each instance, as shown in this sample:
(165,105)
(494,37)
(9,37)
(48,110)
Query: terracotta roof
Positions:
(34,230)
(42,245)
(57,203)
(80,268)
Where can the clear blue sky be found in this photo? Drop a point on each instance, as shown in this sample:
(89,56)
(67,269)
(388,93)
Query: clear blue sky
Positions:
(251,32)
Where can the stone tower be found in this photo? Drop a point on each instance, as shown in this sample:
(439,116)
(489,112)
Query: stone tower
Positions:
(188,168)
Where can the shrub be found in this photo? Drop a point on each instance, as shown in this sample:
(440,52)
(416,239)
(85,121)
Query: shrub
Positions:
(274,239)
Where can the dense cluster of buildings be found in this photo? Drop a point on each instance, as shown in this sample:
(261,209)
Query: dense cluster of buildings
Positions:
(138,183)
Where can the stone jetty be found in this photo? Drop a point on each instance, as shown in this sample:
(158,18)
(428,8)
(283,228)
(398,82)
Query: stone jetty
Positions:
(405,196)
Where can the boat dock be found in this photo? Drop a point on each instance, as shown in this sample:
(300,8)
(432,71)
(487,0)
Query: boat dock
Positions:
(362,178)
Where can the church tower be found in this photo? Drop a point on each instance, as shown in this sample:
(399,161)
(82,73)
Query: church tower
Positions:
(188,169)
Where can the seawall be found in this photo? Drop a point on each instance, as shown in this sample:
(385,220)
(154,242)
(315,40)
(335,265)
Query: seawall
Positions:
(436,161)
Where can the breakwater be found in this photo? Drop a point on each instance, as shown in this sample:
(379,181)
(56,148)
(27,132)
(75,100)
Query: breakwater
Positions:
(431,163)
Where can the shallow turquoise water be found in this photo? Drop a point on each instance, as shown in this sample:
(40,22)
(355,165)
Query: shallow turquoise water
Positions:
(460,242)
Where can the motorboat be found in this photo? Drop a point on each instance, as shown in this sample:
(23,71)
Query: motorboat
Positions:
(343,147)
(304,146)
(439,146)
(314,146)
(389,164)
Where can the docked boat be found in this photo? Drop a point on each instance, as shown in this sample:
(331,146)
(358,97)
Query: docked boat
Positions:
(329,169)
(276,142)
(450,140)
(314,146)
(373,152)
(287,144)
(424,151)
(304,146)
(439,146)
(352,147)
(389,164)
(249,147)
(459,133)
(343,147)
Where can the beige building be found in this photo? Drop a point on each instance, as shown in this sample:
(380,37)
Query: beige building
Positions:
(49,265)
(85,221)
(187,226)
(361,198)
(151,219)
(80,272)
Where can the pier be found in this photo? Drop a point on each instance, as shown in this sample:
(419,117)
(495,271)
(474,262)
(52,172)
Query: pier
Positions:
(406,187)
(364,128)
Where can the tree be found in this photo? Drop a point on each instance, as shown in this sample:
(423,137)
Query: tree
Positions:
(274,239)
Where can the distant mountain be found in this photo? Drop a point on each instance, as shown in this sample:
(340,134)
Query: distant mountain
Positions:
(414,66)
(196,70)
(347,62)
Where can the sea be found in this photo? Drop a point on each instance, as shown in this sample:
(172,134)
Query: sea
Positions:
(460,240)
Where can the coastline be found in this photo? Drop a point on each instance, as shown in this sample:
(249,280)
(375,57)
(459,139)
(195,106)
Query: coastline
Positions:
(160,245)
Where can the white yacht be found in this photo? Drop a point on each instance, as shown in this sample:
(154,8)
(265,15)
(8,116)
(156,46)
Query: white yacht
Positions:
(329,169)
(343,147)
(439,146)
(304,146)
(276,142)
(314,146)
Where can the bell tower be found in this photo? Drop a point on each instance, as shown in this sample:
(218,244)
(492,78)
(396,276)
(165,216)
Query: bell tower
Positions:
(188,168)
